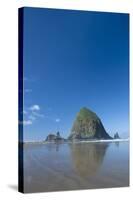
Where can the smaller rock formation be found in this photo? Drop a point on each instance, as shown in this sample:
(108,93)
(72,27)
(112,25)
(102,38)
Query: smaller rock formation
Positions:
(54,138)
(50,138)
(116,136)
(58,135)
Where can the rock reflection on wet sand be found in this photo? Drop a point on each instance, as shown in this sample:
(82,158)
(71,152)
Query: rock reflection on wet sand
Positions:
(52,167)
(88,158)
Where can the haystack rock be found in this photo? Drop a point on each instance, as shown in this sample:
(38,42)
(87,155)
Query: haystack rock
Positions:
(88,125)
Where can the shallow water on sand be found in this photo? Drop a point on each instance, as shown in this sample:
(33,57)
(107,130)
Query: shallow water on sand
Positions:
(57,167)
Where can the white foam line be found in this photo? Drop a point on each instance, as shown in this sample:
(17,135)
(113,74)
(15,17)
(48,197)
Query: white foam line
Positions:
(98,141)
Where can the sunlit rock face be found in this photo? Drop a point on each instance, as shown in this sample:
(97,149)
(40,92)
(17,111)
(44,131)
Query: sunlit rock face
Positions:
(88,125)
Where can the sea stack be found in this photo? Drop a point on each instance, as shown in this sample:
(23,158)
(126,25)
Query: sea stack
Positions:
(54,138)
(116,136)
(88,125)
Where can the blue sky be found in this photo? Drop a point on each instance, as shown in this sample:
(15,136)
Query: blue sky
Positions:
(74,59)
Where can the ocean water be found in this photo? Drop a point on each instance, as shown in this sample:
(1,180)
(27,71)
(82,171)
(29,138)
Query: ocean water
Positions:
(60,167)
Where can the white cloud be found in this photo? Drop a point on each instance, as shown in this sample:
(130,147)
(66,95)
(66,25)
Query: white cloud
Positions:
(31,114)
(37,114)
(57,120)
(35,107)
(26,122)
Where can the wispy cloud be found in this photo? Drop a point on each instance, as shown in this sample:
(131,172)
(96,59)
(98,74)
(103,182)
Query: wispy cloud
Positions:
(32,117)
(37,114)
(25,91)
(31,114)
(34,107)
(25,112)
(25,122)
(29,79)
(57,120)
(28,90)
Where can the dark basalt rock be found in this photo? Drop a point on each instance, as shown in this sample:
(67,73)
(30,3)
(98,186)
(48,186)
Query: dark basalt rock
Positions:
(54,138)
(50,138)
(116,136)
(88,125)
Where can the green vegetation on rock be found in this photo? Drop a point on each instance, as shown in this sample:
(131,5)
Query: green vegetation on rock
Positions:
(88,126)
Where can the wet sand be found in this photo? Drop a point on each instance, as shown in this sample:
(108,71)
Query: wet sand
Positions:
(60,167)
